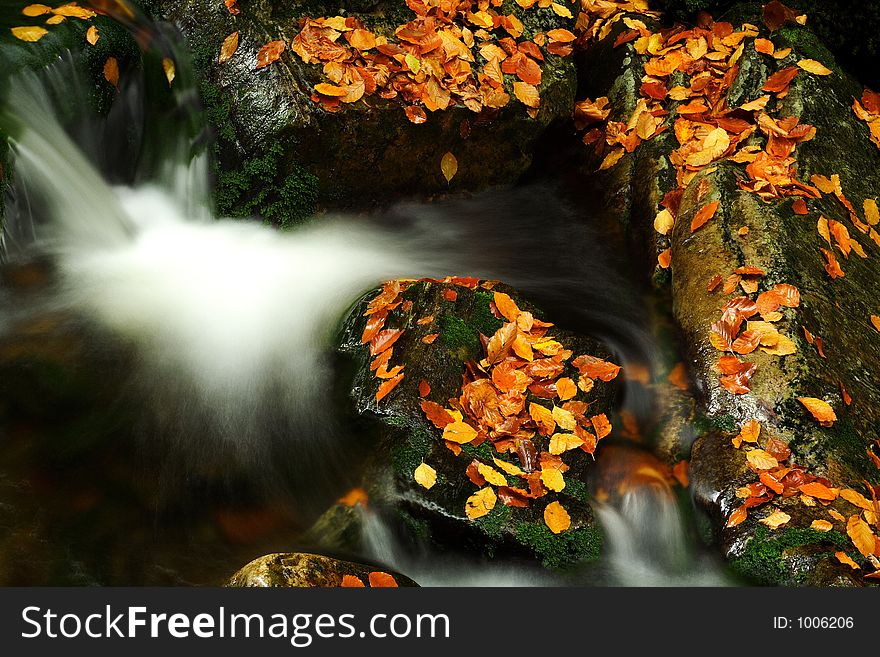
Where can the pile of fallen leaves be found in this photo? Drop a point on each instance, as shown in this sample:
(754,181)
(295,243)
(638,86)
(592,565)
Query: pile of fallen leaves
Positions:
(463,53)
(868,110)
(780,478)
(72,10)
(521,397)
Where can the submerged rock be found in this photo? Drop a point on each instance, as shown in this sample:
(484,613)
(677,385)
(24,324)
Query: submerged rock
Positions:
(301,570)
(492,482)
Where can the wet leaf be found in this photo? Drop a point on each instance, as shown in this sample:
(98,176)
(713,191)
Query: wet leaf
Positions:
(270,53)
(780,80)
(556,517)
(739,514)
(491,475)
(563,442)
(448,166)
(818,490)
(527,94)
(379,579)
(814,67)
(92,35)
(388,386)
(703,215)
(425,475)
(459,432)
(111,71)
(565,388)
(761,460)
(776,519)
(350,581)
(29,33)
(819,409)
(229,48)
(845,559)
(861,535)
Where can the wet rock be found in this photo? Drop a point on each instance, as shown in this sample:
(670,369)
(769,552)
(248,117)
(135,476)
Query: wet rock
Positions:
(301,570)
(438,354)
(278,149)
(785,246)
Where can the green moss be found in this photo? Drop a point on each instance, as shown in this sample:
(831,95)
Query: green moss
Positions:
(482,319)
(496,521)
(577,489)
(458,335)
(406,455)
(762,560)
(561,551)
(726,423)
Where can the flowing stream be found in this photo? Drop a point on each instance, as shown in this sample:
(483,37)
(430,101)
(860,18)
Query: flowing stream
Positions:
(230,323)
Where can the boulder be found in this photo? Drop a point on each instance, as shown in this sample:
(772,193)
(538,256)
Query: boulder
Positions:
(720,231)
(460,463)
(301,570)
(280,152)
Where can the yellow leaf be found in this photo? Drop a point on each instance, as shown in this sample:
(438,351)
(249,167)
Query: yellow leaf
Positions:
(480,503)
(55,20)
(459,432)
(861,535)
(552,479)
(612,158)
(36,10)
(556,517)
(664,222)
(522,348)
(92,35)
(508,467)
(857,499)
(111,71)
(562,442)
(72,10)
(449,166)
(776,519)
(844,558)
(229,48)
(821,525)
(425,475)
(527,94)
(783,347)
(506,306)
(563,418)
(31,34)
(559,10)
(543,418)
(413,63)
(872,213)
(761,460)
(170,69)
(814,67)
(491,475)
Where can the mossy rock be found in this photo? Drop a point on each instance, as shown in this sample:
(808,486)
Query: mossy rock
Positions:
(281,155)
(405,438)
(301,570)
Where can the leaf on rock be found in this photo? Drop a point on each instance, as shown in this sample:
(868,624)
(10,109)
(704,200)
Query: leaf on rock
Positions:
(29,33)
(459,432)
(448,166)
(814,67)
(480,503)
(776,519)
(92,35)
(845,559)
(556,517)
(861,535)
(379,579)
(229,48)
(761,460)
(270,53)
(352,582)
(821,525)
(425,475)
(703,215)
(820,410)
(388,386)
(111,71)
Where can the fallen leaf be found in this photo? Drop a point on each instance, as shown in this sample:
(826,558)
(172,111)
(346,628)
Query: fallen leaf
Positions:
(425,475)
(761,460)
(387,386)
(664,221)
(448,166)
(30,33)
(459,432)
(527,94)
(821,525)
(820,410)
(844,558)
(861,535)
(776,519)
(739,514)
(36,10)
(480,503)
(814,67)
(229,48)
(170,70)
(92,35)
(270,53)
(111,71)
(350,581)
(703,215)
(680,472)
(381,580)
(556,517)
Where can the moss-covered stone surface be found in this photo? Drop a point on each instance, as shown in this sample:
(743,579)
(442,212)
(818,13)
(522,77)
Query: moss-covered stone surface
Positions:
(405,439)
(280,155)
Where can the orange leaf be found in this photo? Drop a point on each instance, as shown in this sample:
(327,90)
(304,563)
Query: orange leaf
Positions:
(350,581)
(820,491)
(844,558)
(703,215)
(270,53)
(448,166)
(424,388)
(229,48)
(111,71)
(379,579)
(861,535)
(780,80)
(506,306)
(565,388)
(388,386)
(821,410)
(739,514)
